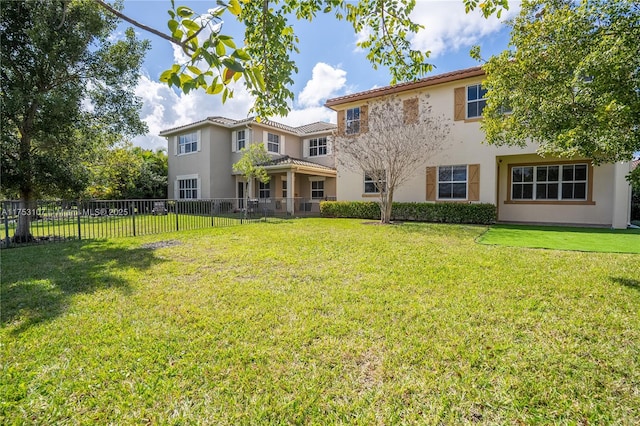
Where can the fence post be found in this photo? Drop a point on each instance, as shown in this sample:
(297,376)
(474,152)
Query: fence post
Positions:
(177,221)
(211,210)
(5,213)
(133,217)
(78,212)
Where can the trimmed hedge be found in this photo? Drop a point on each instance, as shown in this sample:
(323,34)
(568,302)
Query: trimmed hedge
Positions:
(483,213)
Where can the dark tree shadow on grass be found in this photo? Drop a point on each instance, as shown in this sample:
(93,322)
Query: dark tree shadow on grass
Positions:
(627,282)
(37,282)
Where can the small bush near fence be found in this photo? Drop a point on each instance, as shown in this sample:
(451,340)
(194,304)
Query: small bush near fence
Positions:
(423,212)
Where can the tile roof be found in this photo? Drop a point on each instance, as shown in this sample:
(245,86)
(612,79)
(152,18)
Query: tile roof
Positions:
(287,160)
(402,87)
(230,123)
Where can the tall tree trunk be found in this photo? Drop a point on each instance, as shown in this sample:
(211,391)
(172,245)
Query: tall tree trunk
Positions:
(26,213)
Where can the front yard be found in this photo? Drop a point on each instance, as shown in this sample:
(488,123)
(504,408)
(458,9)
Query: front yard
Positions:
(318,321)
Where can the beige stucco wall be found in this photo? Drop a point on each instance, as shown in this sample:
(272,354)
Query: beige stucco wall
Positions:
(465,145)
(599,212)
(193,163)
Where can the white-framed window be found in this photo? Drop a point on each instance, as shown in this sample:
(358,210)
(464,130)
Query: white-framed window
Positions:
(188,189)
(241,138)
(373,183)
(264,190)
(559,182)
(452,182)
(273,143)
(317,147)
(352,121)
(284,189)
(476,100)
(188,143)
(317,189)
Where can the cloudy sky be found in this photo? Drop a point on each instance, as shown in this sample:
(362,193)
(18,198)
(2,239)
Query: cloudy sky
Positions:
(329,63)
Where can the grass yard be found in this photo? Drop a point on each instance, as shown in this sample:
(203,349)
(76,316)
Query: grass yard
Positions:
(601,240)
(317,321)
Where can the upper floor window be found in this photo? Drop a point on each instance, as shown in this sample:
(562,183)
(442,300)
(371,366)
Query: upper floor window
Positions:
(452,182)
(549,182)
(476,100)
(374,183)
(240,139)
(187,189)
(318,147)
(273,143)
(188,143)
(353,121)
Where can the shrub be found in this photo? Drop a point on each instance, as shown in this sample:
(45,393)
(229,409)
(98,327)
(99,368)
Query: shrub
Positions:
(483,213)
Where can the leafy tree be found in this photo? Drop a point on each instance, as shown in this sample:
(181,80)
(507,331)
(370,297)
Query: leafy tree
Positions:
(66,94)
(129,172)
(265,60)
(399,139)
(250,167)
(571,79)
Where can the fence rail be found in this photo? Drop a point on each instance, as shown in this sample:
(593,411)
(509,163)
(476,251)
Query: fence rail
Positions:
(61,220)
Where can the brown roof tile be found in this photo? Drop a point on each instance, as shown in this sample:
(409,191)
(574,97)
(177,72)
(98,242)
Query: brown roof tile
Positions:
(402,87)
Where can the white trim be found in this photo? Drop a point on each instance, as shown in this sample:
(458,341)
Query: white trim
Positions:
(317,178)
(466,182)
(305,148)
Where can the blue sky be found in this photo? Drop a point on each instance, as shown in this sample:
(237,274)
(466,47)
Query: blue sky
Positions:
(329,62)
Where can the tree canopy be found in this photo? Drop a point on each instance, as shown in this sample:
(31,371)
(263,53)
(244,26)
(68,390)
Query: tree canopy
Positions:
(264,61)
(571,79)
(67,92)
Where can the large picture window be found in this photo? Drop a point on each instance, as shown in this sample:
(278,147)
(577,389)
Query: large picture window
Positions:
(318,147)
(550,182)
(353,121)
(188,143)
(475,100)
(273,143)
(452,182)
(187,189)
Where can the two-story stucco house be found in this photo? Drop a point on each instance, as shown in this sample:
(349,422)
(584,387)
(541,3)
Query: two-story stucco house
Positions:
(302,172)
(524,186)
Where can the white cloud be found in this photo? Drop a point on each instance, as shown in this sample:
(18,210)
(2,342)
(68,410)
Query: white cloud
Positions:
(163,108)
(325,82)
(449,28)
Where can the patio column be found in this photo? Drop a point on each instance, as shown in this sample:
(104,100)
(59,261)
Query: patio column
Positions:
(291,182)
(621,211)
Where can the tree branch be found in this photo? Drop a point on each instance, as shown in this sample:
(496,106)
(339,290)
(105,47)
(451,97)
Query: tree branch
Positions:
(142,26)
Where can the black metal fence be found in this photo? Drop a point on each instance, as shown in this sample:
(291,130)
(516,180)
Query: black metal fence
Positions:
(60,220)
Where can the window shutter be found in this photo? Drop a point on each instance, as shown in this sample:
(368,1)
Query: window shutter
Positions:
(234,141)
(176,188)
(460,99)
(282,151)
(329,146)
(364,119)
(431,183)
(410,110)
(265,138)
(341,122)
(305,148)
(199,140)
(474,182)
(174,141)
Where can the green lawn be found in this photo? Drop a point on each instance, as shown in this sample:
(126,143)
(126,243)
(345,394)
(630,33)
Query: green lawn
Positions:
(318,321)
(564,238)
